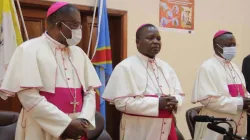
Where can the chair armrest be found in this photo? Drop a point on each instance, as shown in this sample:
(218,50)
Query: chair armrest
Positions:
(8,118)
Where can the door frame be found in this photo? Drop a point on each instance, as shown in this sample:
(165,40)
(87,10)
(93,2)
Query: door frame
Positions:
(89,9)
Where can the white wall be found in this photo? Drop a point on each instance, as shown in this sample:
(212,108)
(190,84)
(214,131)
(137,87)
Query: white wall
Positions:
(185,52)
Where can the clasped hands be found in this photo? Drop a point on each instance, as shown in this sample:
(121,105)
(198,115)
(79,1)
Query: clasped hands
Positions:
(168,103)
(75,130)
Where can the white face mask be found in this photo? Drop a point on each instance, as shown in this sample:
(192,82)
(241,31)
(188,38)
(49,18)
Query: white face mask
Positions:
(76,36)
(228,52)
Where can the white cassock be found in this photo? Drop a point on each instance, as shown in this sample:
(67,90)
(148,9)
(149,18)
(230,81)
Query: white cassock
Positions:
(46,77)
(134,88)
(219,87)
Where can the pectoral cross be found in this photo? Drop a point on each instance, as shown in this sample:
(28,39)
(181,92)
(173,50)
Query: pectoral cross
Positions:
(239,95)
(74,103)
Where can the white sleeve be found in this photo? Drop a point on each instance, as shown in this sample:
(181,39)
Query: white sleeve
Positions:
(146,106)
(224,104)
(180,99)
(178,92)
(48,116)
(89,108)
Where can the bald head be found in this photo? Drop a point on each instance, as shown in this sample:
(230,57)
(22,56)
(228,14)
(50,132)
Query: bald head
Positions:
(222,37)
(141,29)
(224,40)
(65,12)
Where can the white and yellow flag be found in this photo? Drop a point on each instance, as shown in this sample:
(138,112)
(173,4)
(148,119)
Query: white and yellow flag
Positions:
(10,34)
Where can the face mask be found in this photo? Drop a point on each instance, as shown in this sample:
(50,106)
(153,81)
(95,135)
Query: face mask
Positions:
(228,52)
(76,36)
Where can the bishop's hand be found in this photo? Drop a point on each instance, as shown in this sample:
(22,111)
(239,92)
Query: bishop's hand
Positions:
(168,103)
(75,130)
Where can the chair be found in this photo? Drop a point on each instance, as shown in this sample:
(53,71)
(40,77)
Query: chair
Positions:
(99,133)
(8,122)
(190,118)
(104,136)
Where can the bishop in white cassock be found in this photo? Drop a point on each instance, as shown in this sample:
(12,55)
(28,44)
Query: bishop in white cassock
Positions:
(54,81)
(220,88)
(146,90)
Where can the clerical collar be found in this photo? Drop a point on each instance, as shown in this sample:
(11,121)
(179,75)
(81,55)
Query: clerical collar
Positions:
(57,44)
(221,59)
(145,58)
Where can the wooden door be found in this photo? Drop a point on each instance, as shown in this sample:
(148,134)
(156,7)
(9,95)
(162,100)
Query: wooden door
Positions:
(87,23)
(35,23)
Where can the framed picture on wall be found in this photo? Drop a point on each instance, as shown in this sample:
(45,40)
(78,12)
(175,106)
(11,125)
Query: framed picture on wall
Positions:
(177,15)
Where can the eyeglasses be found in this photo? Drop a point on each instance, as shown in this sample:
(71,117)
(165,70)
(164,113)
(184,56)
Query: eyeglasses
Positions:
(73,25)
(228,45)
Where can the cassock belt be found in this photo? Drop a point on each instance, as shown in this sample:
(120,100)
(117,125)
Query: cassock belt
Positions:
(162,114)
(62,99)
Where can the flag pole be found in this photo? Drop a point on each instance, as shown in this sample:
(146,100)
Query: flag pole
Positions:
(99,24)
(22,19)
(92,28)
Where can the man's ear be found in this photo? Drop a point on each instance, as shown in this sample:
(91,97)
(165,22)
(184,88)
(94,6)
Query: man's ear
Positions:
(137,41)
(59,25)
